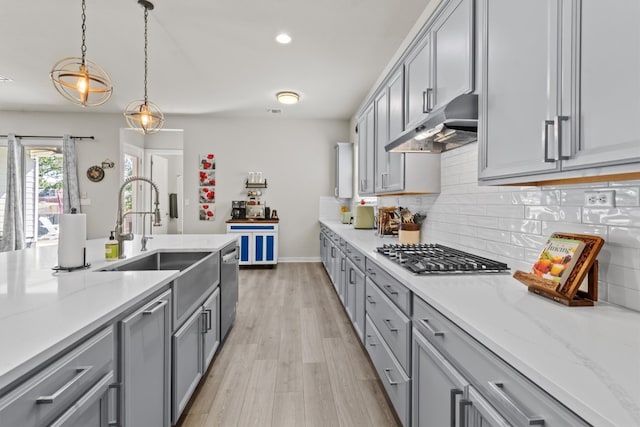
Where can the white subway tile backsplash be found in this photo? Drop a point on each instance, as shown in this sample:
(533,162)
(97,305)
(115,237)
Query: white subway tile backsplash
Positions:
(554,213)
(626,297)
(549,228)
(505,211)
(533,241)
(492,234)
(625,236)
(520,225)
(511,224)
(623,217)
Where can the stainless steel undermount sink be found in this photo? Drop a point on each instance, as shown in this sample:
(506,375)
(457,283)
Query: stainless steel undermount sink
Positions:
(160,261)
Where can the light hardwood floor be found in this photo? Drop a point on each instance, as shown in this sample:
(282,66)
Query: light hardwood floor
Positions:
(291,359)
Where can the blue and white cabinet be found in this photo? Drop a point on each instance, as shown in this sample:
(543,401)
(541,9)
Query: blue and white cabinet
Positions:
(258,241)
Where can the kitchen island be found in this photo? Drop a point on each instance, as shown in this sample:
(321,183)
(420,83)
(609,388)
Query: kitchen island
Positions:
(586,358)
(44,312)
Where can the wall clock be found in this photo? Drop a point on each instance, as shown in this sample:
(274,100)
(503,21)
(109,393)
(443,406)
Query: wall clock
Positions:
(95,173)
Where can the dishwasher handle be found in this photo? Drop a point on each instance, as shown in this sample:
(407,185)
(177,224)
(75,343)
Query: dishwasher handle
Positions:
(230,257)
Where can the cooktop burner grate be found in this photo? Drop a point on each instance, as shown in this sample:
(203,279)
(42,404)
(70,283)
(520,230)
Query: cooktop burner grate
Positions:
(428,258)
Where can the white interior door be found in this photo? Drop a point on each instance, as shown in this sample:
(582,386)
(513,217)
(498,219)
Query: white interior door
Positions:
(159,175)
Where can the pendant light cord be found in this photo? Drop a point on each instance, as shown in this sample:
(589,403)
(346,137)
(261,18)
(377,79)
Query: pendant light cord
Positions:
(146,15)
(84,29)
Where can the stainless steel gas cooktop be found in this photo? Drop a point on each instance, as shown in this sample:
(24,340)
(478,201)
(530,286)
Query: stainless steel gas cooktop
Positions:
(426,258)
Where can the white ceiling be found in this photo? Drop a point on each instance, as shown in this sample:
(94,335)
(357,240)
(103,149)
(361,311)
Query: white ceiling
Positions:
(207,56)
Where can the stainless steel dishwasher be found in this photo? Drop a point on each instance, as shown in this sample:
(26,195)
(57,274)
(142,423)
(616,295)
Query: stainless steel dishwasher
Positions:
(228,288)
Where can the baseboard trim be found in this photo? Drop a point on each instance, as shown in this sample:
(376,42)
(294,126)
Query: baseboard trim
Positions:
(299,259)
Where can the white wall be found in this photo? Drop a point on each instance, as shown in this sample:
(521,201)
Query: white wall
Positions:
(294,155)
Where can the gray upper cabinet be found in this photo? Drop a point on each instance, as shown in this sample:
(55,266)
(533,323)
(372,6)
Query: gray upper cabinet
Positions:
(366,154)
(552,105)
(381,104)
(604,125)
(453,53)
(419,88)
(514,103)
(390,170)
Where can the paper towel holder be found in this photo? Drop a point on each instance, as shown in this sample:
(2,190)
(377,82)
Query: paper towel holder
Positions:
(84,265)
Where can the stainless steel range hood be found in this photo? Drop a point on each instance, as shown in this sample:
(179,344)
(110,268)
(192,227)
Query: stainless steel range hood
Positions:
(448,127)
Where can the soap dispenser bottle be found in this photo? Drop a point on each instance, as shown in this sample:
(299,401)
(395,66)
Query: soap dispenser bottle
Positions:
(111,248)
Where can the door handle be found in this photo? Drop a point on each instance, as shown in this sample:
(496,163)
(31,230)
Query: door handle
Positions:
(545,141)
(158,306)
(558,128)
(387,373)
(435,333)
(453,393)
(81,371)
(497,388)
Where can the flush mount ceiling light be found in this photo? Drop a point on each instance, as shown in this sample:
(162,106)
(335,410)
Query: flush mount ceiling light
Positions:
(287,97)
(283,38)
(79,80)
(144,116)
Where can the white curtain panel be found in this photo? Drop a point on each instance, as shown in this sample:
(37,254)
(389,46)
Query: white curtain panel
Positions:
(71,189)
(13,226)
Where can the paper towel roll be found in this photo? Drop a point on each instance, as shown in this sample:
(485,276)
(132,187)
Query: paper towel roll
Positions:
(72,237)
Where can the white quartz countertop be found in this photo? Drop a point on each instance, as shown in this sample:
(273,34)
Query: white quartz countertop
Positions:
(588,358)
(43,311)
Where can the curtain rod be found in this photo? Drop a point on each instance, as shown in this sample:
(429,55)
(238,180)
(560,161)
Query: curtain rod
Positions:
(47,137)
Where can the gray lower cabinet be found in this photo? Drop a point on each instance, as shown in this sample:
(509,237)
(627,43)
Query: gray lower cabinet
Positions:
(496,394)
(438,387)
(354,299)
(145,357)
(91,409)
(74,390)
(394,379)
(194,346)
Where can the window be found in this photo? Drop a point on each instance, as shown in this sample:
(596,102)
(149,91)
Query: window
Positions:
(42,192)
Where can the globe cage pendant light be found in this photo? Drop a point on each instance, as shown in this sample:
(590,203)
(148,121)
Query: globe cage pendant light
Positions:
(144,116)
(79,80)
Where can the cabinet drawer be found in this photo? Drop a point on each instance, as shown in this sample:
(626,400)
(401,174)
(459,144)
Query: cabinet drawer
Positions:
(355,256)
(395,381)
(47,394)
(392,324)
(512,394)
(397,292)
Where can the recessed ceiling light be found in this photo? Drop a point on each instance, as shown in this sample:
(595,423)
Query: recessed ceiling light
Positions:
(287,97)
(4,79)
(283,38)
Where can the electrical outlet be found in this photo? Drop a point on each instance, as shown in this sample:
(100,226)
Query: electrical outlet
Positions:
(600,198)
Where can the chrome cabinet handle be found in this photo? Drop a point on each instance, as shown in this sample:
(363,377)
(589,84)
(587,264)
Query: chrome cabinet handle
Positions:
(545,141)
(343,265)
(370,300)
(453,393)
(382,177)
(372,344)
(333,252)
(352,281)
(558,128)
(371,272)
(335,191)
(389,325)
(390,289)
(158,306)
(387,373)
(497,388)
(209,316)
(357,258)
(426,100)
(81,371)
(462,406)
(435,333)
(113,422)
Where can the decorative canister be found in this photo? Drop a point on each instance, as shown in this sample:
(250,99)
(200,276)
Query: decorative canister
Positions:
(409,233)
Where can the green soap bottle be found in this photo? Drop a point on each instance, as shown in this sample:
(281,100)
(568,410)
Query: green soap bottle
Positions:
(111,248)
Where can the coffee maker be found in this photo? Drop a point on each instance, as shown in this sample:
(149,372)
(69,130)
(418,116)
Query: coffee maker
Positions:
(238,209)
